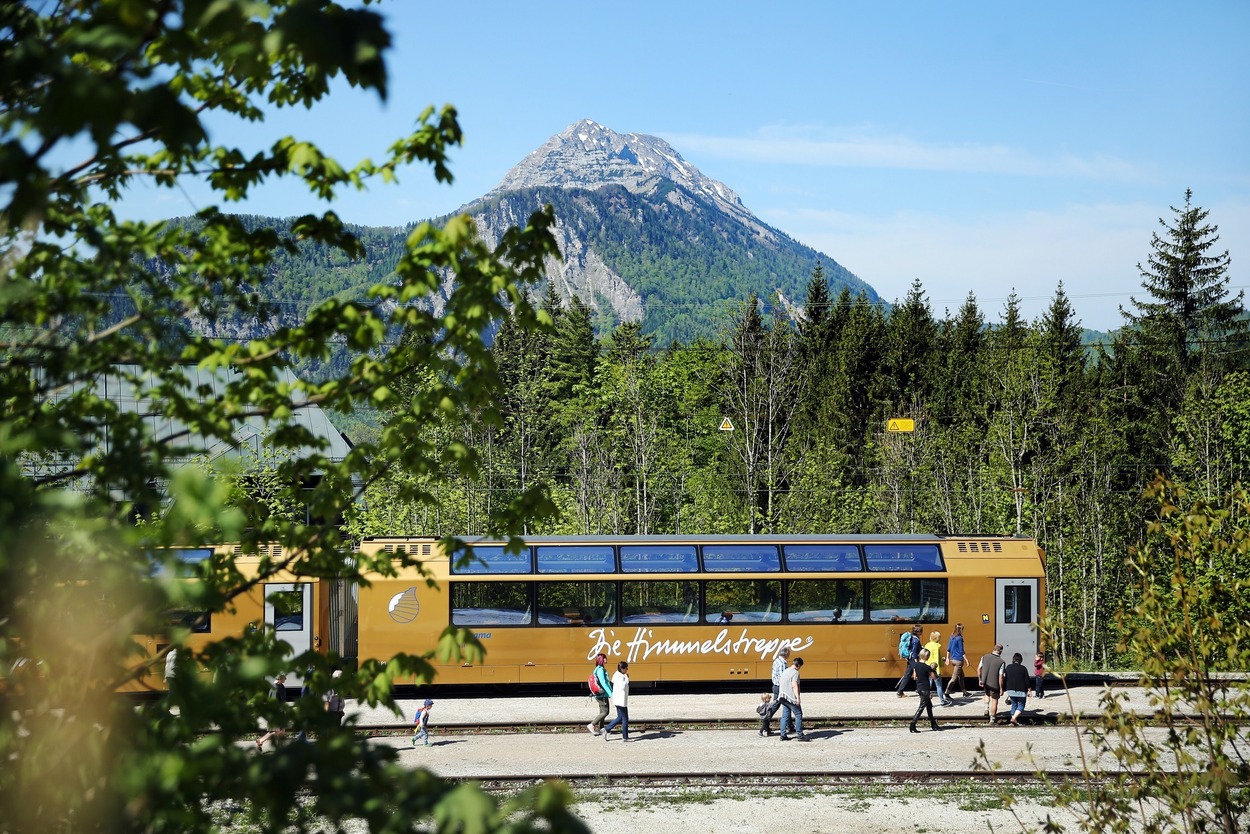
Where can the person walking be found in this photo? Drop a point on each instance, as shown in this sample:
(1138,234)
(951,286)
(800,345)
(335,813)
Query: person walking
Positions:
(792,701)
(421,720)
(764,710)
(335,705)
(934,648)
(780,661)
(956,659)
(912,653)
(620,700)
(277,691)
(1039,675)
(925,678)
(1015,683)
(989,675)
(602,698)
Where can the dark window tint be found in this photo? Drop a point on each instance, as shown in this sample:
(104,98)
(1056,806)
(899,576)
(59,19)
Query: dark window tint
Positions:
(743,557)
(288,609)
(491,558)
(660,601)
(907,600)
(576,603)
(575,559)
(1017,604)
(659,558)
(191,555)
(197,622)
(742,601)
(490,603)
(903,557)
(813,557)
(825,600)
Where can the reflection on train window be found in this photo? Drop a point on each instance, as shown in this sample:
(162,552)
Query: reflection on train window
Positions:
(745,557)
(825,600)
(575,559)
(822,557)
(197,622)
(288,609)
(742,601)
(907,600)
(490,603)
(491,558)
(675,601)
(659,558)
(903,557)
(576,603)
(1017,604)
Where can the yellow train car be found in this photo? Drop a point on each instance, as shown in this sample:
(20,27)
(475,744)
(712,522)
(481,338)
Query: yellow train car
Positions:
(703,608)
(300,610)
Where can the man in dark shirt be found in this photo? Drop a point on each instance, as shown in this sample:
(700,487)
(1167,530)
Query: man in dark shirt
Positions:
(925,678)
(988,671)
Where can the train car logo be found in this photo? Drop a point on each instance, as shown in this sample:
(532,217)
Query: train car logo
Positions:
(404,607)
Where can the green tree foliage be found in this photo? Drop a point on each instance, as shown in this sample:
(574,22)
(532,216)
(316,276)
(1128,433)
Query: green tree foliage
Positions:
(125,90)
(1184,767)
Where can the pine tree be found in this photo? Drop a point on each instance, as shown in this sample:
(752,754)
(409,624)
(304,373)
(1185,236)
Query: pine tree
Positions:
(1191,309)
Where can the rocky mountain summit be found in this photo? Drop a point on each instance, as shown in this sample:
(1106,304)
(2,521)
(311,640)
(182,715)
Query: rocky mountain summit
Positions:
(646,236)
(588,155)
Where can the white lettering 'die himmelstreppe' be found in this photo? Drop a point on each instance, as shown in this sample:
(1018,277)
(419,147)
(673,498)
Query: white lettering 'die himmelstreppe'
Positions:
(644,646)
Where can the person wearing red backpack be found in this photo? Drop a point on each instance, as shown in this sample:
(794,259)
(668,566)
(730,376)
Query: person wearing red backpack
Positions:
(599,680)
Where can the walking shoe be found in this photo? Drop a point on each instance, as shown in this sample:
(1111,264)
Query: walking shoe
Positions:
(427,744)
(785,738)
(591,727)
(802,738)
(948,703)
(902,694)
(605,735)
(761,733)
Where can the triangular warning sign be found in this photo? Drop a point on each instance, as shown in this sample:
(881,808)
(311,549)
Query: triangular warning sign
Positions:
(726,425)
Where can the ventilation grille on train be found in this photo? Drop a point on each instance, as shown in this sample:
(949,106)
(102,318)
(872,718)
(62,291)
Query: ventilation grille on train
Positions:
(413,549)
(980,547)
(271,550)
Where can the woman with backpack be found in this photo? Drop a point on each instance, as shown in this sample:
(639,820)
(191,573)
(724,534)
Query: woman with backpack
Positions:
(599,681)
(620,699)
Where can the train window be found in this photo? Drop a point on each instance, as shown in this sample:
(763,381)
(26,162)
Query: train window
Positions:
(823,557)
(197,622)
(743,557)
(579,559)
(288,609)
(907,600)
(825,600)
(490,603)
(903,557)
(1017,604)
(659,558)
(576,603)
(675,601)
(491,558)
(742,601)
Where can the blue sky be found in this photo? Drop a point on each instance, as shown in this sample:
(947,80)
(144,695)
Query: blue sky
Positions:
(977,147)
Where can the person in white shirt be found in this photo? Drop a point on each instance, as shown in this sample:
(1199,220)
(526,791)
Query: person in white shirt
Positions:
(620,700)
(792,701)
(780,660)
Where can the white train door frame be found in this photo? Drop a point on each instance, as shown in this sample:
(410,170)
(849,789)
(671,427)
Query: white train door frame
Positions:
(1015,617)
(289,612)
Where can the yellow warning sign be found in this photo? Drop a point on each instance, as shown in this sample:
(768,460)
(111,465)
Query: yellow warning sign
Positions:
(726,425)
(900,424)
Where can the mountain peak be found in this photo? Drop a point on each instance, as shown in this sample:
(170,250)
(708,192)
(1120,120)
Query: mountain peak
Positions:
(588,155)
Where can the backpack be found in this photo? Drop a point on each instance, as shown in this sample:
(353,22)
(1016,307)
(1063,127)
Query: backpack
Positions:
(593,683)
(904,645)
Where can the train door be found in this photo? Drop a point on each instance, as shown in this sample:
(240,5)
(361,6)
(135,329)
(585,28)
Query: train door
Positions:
(289,612)
(1015,601)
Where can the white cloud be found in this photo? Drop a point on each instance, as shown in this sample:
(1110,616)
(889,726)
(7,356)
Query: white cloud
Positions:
(866,148)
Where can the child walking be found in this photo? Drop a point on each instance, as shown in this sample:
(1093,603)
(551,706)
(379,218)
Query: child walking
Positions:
(422,722)
(765,713)
(1039,675)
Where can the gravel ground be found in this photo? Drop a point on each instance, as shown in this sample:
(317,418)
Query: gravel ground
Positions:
(817,813)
